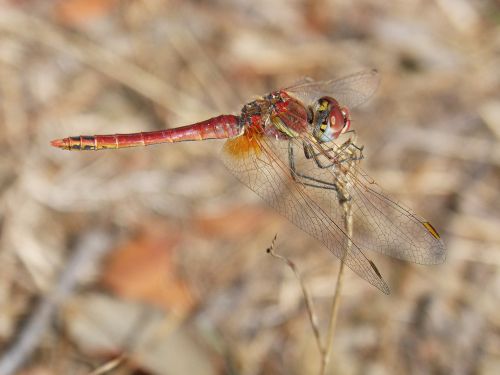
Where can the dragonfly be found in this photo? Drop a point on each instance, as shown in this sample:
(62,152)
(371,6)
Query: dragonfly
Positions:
(286,146)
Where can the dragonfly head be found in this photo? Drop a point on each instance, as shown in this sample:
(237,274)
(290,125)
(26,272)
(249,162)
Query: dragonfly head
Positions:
(329,119)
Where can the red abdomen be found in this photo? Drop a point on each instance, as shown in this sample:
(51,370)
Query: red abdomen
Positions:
(220,127)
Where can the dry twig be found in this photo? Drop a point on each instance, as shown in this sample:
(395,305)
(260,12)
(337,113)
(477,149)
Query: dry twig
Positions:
(308,301)
(346,204)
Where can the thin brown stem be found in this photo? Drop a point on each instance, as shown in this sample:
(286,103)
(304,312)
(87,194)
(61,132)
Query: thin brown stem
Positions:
(346,204)
(325,358)
(307,297)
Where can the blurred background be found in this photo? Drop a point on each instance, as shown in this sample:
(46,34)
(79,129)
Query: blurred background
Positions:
(155,257)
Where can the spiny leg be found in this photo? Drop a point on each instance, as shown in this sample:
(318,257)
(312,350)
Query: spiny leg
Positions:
(356,154)
(315,182)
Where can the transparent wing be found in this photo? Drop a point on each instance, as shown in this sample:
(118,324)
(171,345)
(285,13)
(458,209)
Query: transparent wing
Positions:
(264,168)
(349,91)
(302,81)
(312,201)
(381,224)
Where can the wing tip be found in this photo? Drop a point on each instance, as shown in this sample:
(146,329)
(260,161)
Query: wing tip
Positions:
(430,228)
(438,248)
(439,254)
(381,284)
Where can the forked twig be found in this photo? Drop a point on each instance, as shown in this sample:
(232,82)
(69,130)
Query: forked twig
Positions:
(346,204)
(308,301)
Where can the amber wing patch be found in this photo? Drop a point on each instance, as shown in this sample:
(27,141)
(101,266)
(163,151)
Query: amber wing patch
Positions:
(247,143)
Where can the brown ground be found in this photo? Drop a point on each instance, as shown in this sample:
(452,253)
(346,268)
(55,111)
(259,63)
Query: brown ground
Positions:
(158,254)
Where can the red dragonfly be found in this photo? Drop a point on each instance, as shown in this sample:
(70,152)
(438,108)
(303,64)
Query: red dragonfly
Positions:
(285,147)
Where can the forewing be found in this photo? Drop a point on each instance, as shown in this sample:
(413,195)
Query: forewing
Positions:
(349,91)
(264,168)
(390,228)
(381,224)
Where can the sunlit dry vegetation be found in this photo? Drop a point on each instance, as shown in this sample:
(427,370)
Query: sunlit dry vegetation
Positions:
(152,260)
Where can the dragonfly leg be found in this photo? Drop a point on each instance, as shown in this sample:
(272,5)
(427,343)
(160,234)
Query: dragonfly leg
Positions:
(352,152)
(310,154)
(352,147)
(307,180)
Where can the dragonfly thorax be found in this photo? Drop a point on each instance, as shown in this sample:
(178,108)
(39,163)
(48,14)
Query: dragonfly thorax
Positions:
(276,115)
(329,120)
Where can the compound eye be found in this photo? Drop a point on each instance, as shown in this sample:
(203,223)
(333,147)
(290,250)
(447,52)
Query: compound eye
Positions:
(321,119)
(347,120)
(330,120)
(339,119)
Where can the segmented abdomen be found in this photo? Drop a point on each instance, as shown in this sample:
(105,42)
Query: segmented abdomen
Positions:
(220,127)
